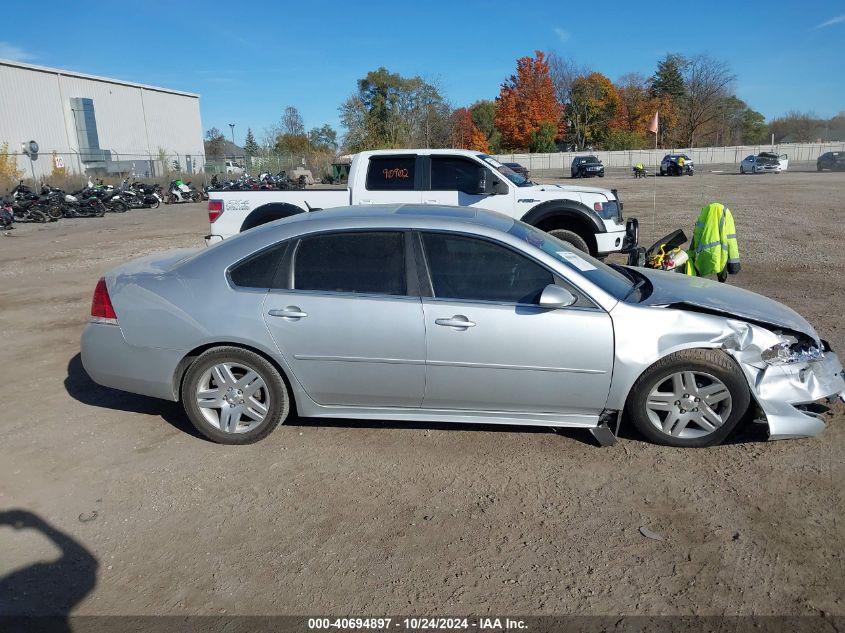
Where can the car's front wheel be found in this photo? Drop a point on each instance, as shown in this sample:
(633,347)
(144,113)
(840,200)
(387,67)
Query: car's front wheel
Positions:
(234,396)
(692,398)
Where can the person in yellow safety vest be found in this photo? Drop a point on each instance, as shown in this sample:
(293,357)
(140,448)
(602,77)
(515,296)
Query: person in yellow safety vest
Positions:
(680,165)
(713,249)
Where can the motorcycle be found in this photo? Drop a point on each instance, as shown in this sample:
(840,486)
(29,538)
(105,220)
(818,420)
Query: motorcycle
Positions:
(151,194)
(30,207)
(179,191)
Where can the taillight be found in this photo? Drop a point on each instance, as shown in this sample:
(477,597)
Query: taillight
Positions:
(215,209)
(101,307)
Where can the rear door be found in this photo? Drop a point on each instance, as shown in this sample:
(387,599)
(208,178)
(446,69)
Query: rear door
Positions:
(391,179)
(348,320)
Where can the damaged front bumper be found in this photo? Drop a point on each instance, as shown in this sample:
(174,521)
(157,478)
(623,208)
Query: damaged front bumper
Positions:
(789,396)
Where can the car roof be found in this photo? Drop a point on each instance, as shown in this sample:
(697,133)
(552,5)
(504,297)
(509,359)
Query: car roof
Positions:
(398,216)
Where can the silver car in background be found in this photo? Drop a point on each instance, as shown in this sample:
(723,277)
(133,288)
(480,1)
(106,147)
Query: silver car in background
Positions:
(425,313)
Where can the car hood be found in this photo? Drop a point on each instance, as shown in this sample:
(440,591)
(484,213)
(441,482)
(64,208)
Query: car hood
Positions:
(568,188)
(680,291)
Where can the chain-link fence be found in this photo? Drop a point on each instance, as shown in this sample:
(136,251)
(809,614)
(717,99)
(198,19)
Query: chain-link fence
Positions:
(561,161)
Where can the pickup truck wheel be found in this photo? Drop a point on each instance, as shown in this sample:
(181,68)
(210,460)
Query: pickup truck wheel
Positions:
(693,398)
(573,239)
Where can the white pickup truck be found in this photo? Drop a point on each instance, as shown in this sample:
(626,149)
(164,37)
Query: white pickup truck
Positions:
(587,217)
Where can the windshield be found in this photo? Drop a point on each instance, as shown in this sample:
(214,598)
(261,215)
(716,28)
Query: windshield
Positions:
(507,172)
(618,281)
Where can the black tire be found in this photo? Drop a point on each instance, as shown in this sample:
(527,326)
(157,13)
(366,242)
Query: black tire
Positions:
(601,174)
(277,393)
(573,239)
(156,204)
(818,167)
(715,363)
(196,196)
(39,216)
(118,206)
(55,212)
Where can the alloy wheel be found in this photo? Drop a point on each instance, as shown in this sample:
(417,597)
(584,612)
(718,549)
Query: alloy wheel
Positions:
(688,404)
(233,397)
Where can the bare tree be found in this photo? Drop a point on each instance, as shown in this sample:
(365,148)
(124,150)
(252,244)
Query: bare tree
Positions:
(708,84)
(564,71)
(292,122)
(796,127)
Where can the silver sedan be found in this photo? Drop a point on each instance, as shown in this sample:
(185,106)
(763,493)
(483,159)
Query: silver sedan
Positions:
(444,314)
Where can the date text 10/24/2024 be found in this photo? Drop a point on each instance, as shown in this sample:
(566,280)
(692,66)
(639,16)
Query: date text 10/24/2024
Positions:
(417,624)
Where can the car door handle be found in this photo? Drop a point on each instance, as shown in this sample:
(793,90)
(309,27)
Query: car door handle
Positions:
(457,321)
(291,312)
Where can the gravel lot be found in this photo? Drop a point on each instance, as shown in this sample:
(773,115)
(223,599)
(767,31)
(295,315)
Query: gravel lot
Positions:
(364,518)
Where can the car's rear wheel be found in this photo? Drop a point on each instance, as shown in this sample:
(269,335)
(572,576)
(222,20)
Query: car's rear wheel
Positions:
(234,396)
(692,398)
(571,238)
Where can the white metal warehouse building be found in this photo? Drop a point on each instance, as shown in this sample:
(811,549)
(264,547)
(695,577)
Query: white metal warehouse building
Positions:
(96,125)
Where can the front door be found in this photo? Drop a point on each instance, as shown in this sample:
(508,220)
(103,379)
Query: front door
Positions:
(346,325)
(454,181)
(490,347)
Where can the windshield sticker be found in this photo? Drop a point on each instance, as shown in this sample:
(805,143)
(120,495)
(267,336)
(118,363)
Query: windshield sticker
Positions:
(493,162)
(579,262)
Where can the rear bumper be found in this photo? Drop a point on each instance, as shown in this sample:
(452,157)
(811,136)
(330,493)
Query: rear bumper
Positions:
(111,362)
(213,239)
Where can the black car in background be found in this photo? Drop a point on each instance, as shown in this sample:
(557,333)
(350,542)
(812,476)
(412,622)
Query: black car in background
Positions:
(586,166)
(522,171)
(831,160)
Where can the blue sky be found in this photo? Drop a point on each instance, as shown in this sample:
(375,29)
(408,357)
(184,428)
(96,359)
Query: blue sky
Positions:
(249,62)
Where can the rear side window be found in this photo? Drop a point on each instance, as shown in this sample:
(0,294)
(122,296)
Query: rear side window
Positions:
(258,270)
(371,263)
(391,173)
(478,270)
(454,174)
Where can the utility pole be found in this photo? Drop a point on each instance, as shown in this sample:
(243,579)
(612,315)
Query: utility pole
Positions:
(232,127)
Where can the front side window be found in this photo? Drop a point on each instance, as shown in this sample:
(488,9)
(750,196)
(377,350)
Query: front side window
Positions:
(391,173)
(367,263)
(477,270)
(454,174)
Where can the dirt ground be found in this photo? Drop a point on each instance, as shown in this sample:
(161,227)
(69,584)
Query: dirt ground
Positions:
(141,516)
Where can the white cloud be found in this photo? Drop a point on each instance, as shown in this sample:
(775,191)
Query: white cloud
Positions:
(10,51)
(831,21)
(562,34)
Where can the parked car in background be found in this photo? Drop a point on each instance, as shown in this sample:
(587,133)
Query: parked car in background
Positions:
(586,167)
(429,313)
(669,165)
(519,169)
(764,162)
(835,161)
(233,168)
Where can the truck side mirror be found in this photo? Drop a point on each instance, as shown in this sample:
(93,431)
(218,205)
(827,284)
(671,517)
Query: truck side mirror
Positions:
(483,182)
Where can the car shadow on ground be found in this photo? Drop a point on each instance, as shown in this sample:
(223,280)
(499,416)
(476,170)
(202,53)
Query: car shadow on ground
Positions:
(81,388)
(45,588)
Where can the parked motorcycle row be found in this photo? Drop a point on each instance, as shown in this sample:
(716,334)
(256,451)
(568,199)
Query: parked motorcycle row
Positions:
(92,201)
(277,182)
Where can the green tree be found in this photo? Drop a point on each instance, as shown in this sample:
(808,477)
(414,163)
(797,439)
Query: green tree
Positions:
(389,111)
(250,146)
(484,116)
(543,138)
(593,104)
(323,139)
(668,79)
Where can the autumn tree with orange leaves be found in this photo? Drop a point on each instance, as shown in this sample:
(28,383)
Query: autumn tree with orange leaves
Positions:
(526,101)
(466,134)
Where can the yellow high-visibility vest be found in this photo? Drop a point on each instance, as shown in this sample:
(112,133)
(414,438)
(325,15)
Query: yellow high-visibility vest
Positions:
(713,248)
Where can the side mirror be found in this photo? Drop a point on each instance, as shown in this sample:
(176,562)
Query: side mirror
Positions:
(556,297)
(494,186)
